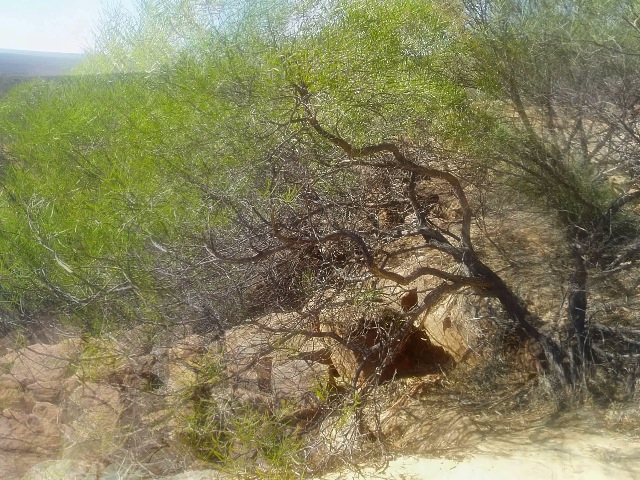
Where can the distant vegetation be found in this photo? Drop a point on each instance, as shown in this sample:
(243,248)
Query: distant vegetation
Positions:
(7,82)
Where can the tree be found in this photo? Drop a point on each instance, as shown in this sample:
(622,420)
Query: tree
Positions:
(569,72)
(277,137)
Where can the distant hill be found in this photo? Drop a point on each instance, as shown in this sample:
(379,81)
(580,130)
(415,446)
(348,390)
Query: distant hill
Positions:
(36,64)
(17,66)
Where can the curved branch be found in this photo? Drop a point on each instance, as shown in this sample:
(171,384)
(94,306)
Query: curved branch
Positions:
(244,260)
(376,270)
(401,161)
(617,204)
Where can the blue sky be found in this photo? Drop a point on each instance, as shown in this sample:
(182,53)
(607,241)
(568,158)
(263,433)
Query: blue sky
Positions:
(52,25)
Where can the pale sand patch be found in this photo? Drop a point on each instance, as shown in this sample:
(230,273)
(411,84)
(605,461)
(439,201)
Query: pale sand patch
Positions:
(536,455)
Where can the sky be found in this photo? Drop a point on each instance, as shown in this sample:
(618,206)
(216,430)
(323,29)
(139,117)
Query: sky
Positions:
(52,25)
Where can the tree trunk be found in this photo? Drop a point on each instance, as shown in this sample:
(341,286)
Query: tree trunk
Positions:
(515,308)
(577,313)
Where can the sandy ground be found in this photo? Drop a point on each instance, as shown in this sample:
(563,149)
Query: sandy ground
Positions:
(538,454)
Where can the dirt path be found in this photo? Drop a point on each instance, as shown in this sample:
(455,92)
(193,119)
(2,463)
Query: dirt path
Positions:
(538,454)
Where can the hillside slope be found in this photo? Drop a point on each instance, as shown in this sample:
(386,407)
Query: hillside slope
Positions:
(17,66)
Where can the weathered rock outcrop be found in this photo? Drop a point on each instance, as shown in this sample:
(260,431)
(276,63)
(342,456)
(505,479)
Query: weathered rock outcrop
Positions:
(269,356)
(84,401)
(363,328)
(104,405)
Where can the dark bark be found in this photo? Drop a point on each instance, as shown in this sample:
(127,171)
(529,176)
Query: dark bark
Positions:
(480,276)
(578,303)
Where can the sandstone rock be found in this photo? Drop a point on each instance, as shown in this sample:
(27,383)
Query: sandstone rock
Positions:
(180,377)
(46,391)
(198,475)
(16,400)
(248,353)
(337,435)
(455,324)
(346,362)
(451,323)
(98,399)
(258,401)
(187,348)
(7,360)
(179,365)
(70,385)
(29,373)
(22,432)
(92,415)
(361,326)
(122,472)
(300,381)
(12,395)
(9,382)
(43,363)
(145,366)
(63,469)
(13,465)
(47,411)
(365,328)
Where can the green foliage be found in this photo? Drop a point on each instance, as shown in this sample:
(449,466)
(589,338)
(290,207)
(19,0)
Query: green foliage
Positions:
(559,75)
(180,110)
(189,110)
(187,123)
(238,435)
(235,437)
(99,358)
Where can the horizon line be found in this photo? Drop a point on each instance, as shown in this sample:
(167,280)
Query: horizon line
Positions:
(17,50)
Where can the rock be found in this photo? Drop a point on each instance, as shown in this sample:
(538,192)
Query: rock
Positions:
(121,472)
(46,391)
(100,358)
(47,411)
(145,367)
(361,326)
(63,469)
(14,465)
(180,365)
(248,354)
(300,381)
(145,434)
(6,361)
(41,363)
(198,475)
(98,399)
(251,351)
(40,371)
(187,348)
(22,432)
(16,400)
(134,376)
(455,324)
(410,354)
(180,377)
(12,395)
(92,414)
(337,435)
(346,362)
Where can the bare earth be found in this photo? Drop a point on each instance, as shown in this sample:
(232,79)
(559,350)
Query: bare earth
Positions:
(535,455)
